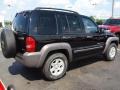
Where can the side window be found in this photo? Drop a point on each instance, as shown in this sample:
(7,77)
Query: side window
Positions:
(90,26)
(63,23)
(74,23)
(43,23)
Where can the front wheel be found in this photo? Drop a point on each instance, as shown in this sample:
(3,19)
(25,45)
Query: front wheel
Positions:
(56,66)
(111,52)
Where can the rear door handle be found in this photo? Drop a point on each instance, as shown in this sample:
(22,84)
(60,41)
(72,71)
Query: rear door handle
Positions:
(89,36)
(66,37)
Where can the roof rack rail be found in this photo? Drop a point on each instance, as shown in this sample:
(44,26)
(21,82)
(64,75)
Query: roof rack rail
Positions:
(57,9)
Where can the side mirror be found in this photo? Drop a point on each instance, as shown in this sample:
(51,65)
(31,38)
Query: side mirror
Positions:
(101,30)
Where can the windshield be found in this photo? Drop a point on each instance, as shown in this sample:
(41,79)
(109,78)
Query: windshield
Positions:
(112,22)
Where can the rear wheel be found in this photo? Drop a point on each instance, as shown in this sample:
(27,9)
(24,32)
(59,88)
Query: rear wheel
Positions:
(56,66)
(111,52)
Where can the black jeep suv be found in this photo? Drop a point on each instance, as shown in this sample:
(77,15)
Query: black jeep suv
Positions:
(51,38)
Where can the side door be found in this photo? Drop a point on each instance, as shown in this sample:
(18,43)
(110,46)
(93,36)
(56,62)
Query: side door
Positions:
(93,37)
(71,30)
(76,32)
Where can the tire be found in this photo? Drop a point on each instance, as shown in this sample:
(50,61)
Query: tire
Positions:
(11,87)
(111,52)
(8,43)
(55,67)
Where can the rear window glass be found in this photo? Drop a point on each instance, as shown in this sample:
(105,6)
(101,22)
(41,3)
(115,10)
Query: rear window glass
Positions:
(20,23)
(42,23)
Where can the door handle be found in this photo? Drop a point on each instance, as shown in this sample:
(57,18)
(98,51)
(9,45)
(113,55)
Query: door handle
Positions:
(89,36)
(66,37)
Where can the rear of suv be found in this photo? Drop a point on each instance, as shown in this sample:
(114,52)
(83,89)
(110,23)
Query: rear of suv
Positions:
(51,38)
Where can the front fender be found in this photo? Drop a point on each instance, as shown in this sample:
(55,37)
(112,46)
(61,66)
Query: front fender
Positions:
(108,42)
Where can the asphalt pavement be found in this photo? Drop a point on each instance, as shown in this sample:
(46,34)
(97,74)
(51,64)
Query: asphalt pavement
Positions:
(89,74)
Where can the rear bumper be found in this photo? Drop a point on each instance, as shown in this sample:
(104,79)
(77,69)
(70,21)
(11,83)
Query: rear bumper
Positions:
(29,59)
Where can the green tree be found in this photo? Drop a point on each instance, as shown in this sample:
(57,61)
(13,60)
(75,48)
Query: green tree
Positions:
(92,17)
(8,24)
(99,21)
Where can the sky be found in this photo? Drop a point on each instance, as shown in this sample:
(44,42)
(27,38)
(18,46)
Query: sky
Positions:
(97,8)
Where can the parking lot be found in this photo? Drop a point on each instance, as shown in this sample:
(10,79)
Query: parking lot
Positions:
(88,74)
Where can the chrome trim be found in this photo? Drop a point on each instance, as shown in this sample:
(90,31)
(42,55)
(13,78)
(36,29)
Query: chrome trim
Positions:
(21,38)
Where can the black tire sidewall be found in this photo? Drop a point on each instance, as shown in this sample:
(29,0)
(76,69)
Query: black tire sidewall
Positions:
(3,39)
(108,51)
(10,87)
(46,68)
(8,37)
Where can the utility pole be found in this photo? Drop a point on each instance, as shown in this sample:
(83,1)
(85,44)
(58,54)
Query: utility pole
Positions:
(113,2)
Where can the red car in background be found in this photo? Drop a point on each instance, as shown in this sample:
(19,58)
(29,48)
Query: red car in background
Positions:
(111,25)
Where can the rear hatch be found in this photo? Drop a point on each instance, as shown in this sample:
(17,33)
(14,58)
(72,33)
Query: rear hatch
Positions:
(20,27)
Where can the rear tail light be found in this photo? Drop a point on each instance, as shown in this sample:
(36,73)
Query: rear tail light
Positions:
(30,44)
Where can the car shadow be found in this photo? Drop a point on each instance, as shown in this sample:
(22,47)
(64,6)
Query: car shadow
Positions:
(29,73)
(87,61)
(36,74)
